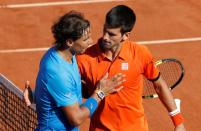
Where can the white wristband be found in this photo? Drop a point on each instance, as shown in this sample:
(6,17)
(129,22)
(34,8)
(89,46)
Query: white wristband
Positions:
(172,113)
(176,111)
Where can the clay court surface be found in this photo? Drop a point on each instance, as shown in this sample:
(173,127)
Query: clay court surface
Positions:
(157,20)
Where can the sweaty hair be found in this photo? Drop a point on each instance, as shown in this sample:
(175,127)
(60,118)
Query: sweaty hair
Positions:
(121,16)
(70,26)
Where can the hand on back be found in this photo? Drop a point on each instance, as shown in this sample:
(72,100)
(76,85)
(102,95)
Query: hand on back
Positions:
(27,94)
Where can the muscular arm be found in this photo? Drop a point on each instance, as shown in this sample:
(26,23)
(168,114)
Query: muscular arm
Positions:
(167,99)
(76,114)
(164,94)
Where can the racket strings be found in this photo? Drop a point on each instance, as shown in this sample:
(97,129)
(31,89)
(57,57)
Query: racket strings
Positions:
(170,71)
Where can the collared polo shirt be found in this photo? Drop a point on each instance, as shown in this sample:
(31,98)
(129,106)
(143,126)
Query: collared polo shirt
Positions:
(122,111)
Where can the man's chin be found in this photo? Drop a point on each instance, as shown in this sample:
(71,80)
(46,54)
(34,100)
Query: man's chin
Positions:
(81,52)
(105,46)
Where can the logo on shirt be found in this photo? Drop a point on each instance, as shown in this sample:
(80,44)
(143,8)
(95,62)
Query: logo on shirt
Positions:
(124,66)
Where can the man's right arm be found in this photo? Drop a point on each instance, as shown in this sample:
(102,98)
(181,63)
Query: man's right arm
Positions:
(76,114)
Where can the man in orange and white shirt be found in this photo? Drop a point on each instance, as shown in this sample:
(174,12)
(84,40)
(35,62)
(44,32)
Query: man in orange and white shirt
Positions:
(114,53)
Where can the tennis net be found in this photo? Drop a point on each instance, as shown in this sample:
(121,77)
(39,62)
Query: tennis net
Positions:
(14,114)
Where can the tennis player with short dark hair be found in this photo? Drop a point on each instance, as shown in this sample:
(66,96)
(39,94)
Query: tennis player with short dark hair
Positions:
(113,53)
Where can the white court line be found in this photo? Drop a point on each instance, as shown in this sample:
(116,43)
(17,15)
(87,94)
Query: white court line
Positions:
(24,50)
(56,3)
(169,41)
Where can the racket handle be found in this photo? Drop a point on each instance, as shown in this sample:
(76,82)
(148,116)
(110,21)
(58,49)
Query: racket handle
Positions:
(176,117)
(177,110)
(178,102)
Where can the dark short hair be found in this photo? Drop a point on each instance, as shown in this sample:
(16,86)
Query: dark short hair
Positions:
(69,26)
(121,16)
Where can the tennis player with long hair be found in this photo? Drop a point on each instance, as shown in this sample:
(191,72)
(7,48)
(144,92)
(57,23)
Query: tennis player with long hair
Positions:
(58,86)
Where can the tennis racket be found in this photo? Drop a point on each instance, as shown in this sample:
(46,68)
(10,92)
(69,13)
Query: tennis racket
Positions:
(171,71)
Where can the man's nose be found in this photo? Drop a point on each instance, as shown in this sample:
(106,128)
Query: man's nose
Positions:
(90,42)
(105,36)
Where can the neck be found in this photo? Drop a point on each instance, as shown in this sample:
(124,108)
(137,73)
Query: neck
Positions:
(112,53)
(66,54)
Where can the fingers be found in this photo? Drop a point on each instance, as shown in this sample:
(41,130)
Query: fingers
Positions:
(27,84)
(26,93)
(108,85)
(105,76)
(118,79)
(117,90)
(26,97)
(119,82)
(83,82)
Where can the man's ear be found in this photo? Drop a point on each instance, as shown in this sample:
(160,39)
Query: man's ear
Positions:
(126,35)
(69,42)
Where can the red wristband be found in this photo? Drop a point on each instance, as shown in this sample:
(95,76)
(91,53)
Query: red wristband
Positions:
(177,119)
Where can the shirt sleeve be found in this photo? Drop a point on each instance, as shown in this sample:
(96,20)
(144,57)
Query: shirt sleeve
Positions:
(62,89)
(150,70)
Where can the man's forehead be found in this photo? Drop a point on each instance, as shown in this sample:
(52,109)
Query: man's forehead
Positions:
(86,32)
(112,30)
